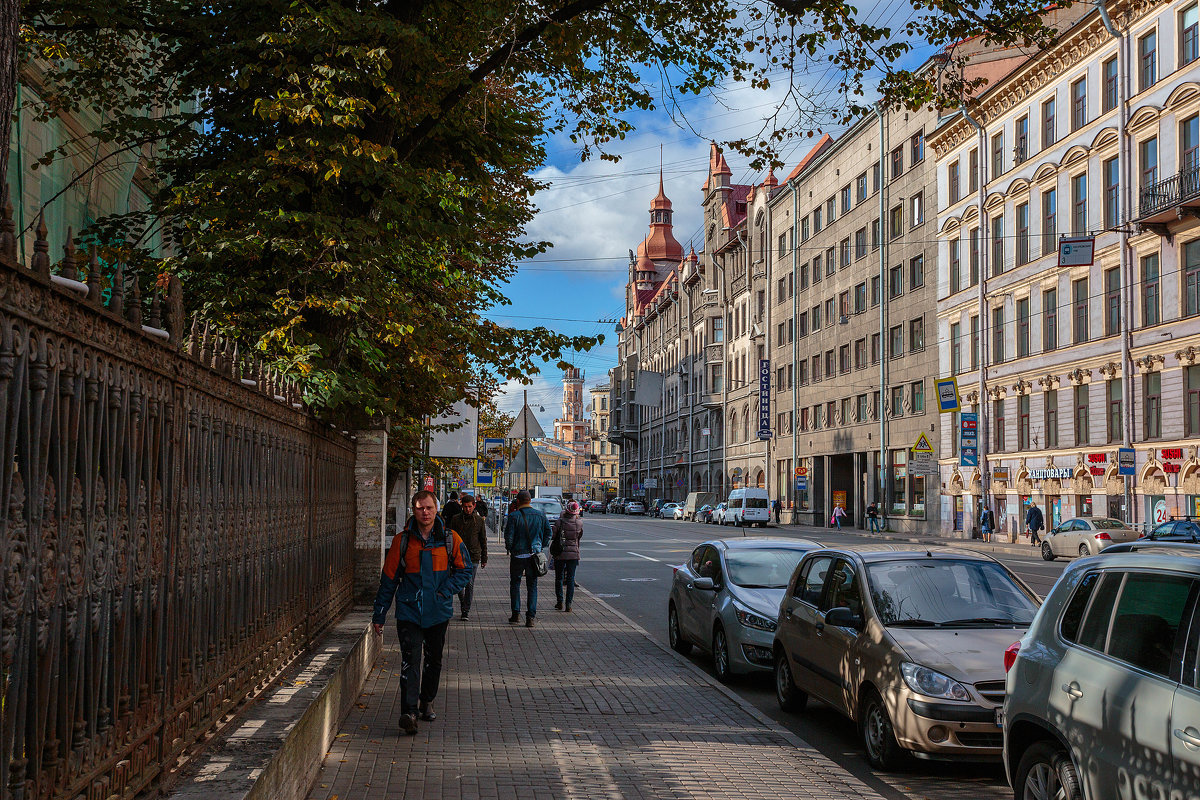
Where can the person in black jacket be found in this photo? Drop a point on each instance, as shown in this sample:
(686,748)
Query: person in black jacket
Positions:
(452,508)
(470,526)
(1035,522)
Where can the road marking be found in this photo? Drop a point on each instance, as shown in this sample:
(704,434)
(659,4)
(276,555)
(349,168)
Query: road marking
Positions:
(648,558)
(602,544)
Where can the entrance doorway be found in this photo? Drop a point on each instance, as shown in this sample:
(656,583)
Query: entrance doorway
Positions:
(843,484)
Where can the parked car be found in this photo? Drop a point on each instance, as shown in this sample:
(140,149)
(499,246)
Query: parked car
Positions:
(655,506)
(748,507)
(704,513)
(921,628)
(717,517)
(678,512)
(671,511)
(548,506)
(634,507)
(1175,530)
(725,600)
(617,506)
(1102,695)
(1085,536)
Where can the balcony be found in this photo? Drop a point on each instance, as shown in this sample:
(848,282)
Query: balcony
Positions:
(711,400)
(1171,198)
(712,353)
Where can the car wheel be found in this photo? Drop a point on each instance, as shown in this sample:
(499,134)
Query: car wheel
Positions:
(878,735)
(1046,772)
(1084,551)
(674,635)
(720,654)
(1047,552)
(788,696)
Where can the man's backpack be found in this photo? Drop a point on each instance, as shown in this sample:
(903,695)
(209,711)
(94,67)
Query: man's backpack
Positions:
(449,544)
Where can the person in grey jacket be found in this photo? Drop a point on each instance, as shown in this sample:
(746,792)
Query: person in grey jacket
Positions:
(569,529)
(526,533)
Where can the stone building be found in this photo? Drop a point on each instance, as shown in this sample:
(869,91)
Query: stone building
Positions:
(603,466)
(1066,366)
(571,429)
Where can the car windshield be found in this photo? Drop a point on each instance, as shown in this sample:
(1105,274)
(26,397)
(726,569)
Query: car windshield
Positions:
(762,569)
(756,502)
(948,592)
(547,507)
(1108,524)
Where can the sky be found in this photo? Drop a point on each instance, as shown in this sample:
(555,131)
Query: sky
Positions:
(594,212)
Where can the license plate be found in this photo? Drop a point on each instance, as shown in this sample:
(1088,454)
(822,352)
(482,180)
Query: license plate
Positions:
(999,717)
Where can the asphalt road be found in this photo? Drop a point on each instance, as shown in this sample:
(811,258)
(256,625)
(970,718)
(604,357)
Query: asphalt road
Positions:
(628,562)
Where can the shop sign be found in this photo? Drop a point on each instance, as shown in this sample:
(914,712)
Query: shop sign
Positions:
(1050,473)
(1097,463)
(968,443)
(801,472)
(764,398)
(1169,455)
(1000,474)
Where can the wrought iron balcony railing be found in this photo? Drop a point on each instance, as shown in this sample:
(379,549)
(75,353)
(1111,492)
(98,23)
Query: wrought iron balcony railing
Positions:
(1170,192)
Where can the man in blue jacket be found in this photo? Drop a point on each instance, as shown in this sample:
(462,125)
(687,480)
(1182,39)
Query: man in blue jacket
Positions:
(526,533)
(426,565)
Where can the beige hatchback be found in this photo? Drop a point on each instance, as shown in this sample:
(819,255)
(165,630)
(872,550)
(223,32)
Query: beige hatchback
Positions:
(908,643)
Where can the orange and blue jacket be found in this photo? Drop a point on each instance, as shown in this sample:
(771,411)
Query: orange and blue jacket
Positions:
(423,580)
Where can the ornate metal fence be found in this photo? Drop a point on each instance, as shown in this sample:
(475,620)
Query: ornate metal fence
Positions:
(176,529)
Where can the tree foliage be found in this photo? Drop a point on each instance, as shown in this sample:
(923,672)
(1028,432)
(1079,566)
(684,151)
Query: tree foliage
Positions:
(346,184)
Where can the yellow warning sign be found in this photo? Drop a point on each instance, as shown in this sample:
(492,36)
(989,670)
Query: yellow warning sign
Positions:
(923,445)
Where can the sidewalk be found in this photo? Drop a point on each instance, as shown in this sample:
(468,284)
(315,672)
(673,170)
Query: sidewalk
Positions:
(1017,548)
(585,705)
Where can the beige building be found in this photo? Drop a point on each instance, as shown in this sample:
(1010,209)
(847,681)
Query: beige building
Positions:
(603,458)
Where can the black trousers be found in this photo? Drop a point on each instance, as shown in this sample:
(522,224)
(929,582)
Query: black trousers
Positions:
(419,684)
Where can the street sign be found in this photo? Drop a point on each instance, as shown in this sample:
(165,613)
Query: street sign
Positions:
(1125,461)
(651,483)
(923,445)
(484,476)
(764,398)
(801,484)
(947,391)
(704,432)
(493,448)
(1076,251)
(968,441)
(921,463)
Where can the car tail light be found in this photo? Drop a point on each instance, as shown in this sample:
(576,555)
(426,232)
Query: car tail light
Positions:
(1010,655)
(1103,536)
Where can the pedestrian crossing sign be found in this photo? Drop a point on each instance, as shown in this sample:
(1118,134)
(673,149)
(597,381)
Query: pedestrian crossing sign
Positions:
(923,445)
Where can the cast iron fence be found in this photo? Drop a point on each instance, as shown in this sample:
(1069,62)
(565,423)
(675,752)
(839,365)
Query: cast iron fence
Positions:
(177,528)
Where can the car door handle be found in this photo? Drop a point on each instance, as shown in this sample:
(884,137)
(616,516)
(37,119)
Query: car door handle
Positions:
(1189,736)
(1073,689)
(787,612)
(820,627)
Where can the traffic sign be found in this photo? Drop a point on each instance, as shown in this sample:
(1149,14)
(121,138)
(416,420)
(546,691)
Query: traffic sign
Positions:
(1076,251)
(1125,461)
(923,445)
(947,391)
(921,463)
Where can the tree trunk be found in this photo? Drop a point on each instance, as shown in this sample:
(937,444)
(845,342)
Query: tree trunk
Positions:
(10,14)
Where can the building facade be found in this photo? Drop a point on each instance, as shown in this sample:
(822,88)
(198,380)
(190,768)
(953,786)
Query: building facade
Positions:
(571,429)
(1066,365)
(603,460)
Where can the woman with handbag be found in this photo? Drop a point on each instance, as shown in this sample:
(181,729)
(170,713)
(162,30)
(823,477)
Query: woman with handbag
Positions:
(568,530)
(526,533)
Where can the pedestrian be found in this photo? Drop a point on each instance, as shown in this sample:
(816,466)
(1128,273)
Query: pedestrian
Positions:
(1034,521)
(839,513)
(452,508)
(568,530)
(526,534)
(481,506)
(470,526)
(873,518)
(426,585)
(986,523)
(776,506)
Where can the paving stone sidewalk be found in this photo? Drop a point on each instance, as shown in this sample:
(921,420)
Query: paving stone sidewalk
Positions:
(585,705)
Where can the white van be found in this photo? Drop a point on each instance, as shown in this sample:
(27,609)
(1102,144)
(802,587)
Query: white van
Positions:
(748,507)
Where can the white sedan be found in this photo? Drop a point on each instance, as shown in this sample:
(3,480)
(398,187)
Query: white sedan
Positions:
(671,511)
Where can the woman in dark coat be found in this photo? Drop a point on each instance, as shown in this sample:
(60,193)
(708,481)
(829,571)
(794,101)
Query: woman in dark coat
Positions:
(568,529)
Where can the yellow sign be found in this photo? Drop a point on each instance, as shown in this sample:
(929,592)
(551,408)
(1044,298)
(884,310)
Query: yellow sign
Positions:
(923,445)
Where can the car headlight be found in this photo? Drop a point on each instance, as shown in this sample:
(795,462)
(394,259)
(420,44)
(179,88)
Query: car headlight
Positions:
(931,683)
(753,620)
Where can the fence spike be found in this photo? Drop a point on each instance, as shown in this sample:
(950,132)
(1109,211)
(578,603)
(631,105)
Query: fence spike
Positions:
(41,250)
(206,345)
(93,280)
(116,303)
(237,363)
(175,320)
(8,239)
(134,314)
(194,339)
(67,267)
(156,309)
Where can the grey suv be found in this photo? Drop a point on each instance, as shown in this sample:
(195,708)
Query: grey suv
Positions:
(1103,691)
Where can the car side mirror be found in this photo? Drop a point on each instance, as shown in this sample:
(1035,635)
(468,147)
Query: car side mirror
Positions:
(844,618)
(703,583)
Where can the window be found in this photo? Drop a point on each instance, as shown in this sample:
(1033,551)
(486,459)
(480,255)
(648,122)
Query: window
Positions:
(955,267)
(860,187)
(973,170)
(1187,35)
(1021,145)
(897,162)
(874,348)
(1079,103)
(1050,320)
(896,221)
(896,341)
(916,395)
(1147,65)
(718,384)
(804,234)
(818,412)
(847,200)
(783,249)
(817,271)
(1148,161)
(1023,422)
(1050,412)
(816,318)
(1191,279)
(916,272)
(1189,145)
(1192,401)
(1152,392)
(802,324)
(953,179)
(896,281)
(975,343)
(916,334)
(1022,234)
(1151,314)
(804,276)
(844,358)
(844,253)
(1113,394)
(816,217)
(1112,301)
(998,246)
(956,348)
(874,291)
(874,178)
(874,234)
(899,483)
(830,210)
(1112,207)
(1049,124)
(860,298)
(916,210)
(802,375)
(830,266)
(1079,311)
(916,148)
(829,311)
(860,243)
(831,413)
(860,408)
(1079,200)
(875,399)
(998,424)
(816,368)
(1023,327)
(718,330)
(860,353)
(998,335)
(973,256)
(1049,222)
(844,303)
(897,401)
(1108,72)
(1081,415)
(997,155)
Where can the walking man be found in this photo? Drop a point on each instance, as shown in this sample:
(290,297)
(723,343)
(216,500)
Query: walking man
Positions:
(1034,521)
(526,533)
(426,565)
(452,507)
(470,526)
(873,518)
(776,506)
